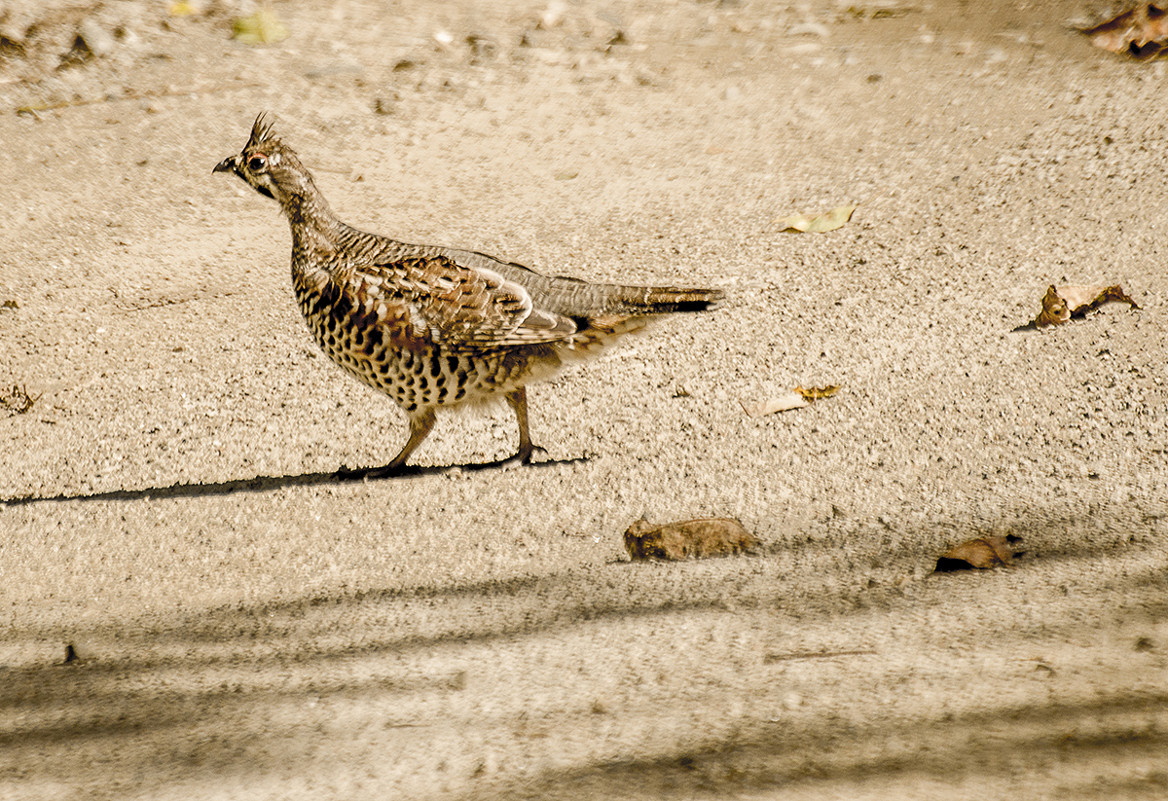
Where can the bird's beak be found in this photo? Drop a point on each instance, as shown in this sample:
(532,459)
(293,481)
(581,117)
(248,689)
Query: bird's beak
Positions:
(229,164)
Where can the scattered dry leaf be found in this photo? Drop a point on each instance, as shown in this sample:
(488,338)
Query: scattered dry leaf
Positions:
(1061,303)
(795,398)
(689,539)
(262,27)
(17,400)
(817,223)
(815,393)
(1141,32)
(980,554)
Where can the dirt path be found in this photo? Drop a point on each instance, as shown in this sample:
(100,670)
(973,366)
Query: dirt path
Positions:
(478,635)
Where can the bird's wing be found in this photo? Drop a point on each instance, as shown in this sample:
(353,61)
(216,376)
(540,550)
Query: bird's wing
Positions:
(456,306)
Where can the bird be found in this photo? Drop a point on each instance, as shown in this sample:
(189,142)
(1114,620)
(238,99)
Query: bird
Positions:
(437,327)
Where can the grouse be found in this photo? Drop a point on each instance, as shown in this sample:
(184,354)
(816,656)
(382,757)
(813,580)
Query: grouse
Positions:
(435,327)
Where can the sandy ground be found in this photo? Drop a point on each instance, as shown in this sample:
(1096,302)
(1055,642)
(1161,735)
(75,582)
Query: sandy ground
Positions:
(251,628)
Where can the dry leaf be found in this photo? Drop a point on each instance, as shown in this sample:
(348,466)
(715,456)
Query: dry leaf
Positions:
(1141,32)
(783,403)
(17,400)
(1064,302)
(980,554)
(817,223)
(262,27)
(689,539)
(815,393)
(796,398)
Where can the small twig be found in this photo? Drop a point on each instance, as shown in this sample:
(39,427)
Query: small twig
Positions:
(812,655)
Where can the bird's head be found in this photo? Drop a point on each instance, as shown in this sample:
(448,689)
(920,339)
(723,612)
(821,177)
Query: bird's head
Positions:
(267,164)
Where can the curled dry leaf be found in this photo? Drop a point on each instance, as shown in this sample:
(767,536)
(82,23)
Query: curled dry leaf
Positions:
(796,398)
(817,223)
(17,400)
(262,27)
(1141,32)
(1061,303)
(688,539)
(980,554)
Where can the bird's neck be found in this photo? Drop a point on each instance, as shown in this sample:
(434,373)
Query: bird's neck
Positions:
(315,228)
(305,206)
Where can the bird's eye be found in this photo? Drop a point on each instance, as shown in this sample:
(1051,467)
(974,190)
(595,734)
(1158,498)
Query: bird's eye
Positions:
(257,163)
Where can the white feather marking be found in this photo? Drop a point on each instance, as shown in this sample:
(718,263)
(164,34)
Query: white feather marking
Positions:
(492,278)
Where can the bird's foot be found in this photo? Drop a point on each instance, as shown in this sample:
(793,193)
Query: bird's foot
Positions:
(526,455)
(391,470)
(521,457)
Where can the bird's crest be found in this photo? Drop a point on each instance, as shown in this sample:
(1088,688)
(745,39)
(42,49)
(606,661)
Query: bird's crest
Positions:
(261,130)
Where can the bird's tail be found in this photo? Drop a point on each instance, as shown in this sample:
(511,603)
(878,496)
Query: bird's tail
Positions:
(662,300)
(621,310)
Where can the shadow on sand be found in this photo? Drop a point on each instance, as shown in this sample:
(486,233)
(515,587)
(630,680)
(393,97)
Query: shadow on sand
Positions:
(268,483)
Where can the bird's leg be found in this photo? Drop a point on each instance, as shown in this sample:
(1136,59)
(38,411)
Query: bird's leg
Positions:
(421,423)
(517,400)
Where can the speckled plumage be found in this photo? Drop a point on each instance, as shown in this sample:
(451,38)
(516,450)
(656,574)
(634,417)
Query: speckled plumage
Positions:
(435,326)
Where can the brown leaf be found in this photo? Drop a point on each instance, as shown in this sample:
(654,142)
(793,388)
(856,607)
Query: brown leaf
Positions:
(696,539)
(1082,299)
(980,554)
(1141,32)
(17,400)
(1061,303)
(815,393)
(1054,309)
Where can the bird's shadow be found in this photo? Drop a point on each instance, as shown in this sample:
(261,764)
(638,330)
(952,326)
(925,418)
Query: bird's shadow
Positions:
(267,483)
